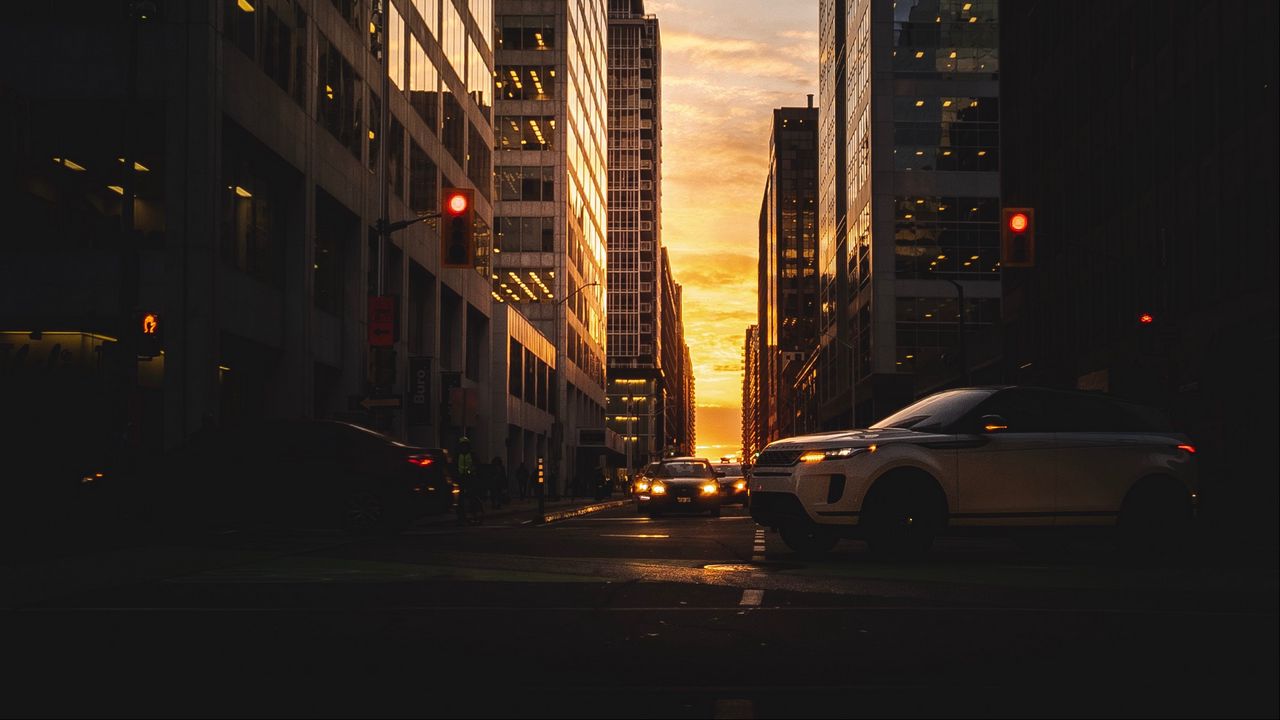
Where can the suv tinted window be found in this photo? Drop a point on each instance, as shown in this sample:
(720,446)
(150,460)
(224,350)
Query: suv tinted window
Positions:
(1074,412)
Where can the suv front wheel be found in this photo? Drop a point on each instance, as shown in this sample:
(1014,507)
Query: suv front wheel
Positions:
(901,520)
(808,540)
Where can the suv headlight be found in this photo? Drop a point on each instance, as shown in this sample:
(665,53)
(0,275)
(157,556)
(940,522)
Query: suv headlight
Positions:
(831,454)
(658,488)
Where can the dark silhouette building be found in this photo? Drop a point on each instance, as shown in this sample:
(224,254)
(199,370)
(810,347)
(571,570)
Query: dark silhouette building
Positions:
(788,269)
(1144,136)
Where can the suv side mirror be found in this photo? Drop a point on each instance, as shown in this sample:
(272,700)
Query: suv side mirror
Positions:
(993,423)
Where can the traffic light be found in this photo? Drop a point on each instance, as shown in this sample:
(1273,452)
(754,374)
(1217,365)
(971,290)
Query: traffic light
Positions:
(150,334)
(1018,237)
(457,247)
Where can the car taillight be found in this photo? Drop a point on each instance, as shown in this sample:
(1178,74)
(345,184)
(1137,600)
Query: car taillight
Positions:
(1190,449)
(421,460)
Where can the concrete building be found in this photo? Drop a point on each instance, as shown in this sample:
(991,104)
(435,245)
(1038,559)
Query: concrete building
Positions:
(222,166)
(916,87)
(549,252)
(788,270)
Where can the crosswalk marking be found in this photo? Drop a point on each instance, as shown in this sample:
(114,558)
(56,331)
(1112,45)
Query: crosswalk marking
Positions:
(751,597)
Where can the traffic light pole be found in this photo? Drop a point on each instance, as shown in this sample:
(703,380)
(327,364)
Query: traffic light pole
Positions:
(964,345)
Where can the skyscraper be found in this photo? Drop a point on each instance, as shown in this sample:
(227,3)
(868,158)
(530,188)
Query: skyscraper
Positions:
(788,267)
(642,327)
(549,254)
(921,185)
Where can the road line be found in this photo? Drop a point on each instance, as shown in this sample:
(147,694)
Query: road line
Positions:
(734,709)
(635,535)
(751,597)
(677,608)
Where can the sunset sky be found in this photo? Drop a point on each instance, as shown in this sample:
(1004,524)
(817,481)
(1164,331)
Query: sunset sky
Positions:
(725,65)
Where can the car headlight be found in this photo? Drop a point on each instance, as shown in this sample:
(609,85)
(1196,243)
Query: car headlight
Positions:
(740,485)
(642,486)
(710,489)
(658,488)
(831,454)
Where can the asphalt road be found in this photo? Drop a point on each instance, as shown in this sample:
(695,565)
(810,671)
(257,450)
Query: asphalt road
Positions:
(617,615)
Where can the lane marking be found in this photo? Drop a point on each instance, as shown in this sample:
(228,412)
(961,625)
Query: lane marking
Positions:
(751,597)
(734,709)
(681,608)
(633,535)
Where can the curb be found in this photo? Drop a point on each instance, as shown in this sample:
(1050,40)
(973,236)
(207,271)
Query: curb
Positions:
(579,511)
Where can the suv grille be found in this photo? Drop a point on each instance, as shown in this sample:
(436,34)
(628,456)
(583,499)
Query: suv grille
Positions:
(778,458)
(773,508)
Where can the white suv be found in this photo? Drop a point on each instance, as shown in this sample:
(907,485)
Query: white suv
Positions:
(982,456)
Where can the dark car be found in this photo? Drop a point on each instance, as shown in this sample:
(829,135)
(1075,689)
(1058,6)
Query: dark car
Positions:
(306,473)
(679,484)
(733,484)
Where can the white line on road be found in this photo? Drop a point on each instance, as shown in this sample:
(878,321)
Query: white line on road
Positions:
(734,709)
(895,609)
(751,597)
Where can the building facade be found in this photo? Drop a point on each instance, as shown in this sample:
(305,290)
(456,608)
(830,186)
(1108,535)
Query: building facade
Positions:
(642,324)
(1147,205)
(240,157)
(788,271)
(752,428)
(833,402)
(922,195)
(551,163)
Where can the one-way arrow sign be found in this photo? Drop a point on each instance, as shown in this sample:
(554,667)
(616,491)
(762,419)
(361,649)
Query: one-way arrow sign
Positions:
(370,403)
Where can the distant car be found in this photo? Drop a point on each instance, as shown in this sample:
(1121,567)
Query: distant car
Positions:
(982,456)
(679,484)
(301,473)
(641,476)
(733,484)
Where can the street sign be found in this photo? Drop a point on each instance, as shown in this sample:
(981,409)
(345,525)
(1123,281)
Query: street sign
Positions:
(370,403)
(419,412)
(382,320)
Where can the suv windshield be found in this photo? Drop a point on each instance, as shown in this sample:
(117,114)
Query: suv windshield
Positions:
(936,412)
(685,469)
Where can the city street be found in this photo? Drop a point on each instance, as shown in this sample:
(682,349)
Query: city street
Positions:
(617,615)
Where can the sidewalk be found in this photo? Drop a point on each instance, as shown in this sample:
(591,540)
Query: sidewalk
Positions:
(561,509)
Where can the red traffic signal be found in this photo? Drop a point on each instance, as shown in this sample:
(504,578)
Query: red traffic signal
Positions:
(456,202)
(1146,318)
(1018,238)
(457,246)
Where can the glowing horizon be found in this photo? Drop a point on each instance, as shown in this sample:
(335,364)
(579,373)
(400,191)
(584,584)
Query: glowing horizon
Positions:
(725,66)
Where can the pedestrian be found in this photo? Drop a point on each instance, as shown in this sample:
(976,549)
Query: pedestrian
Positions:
(497,483)
(522,480)
(602,480)
(466,466)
